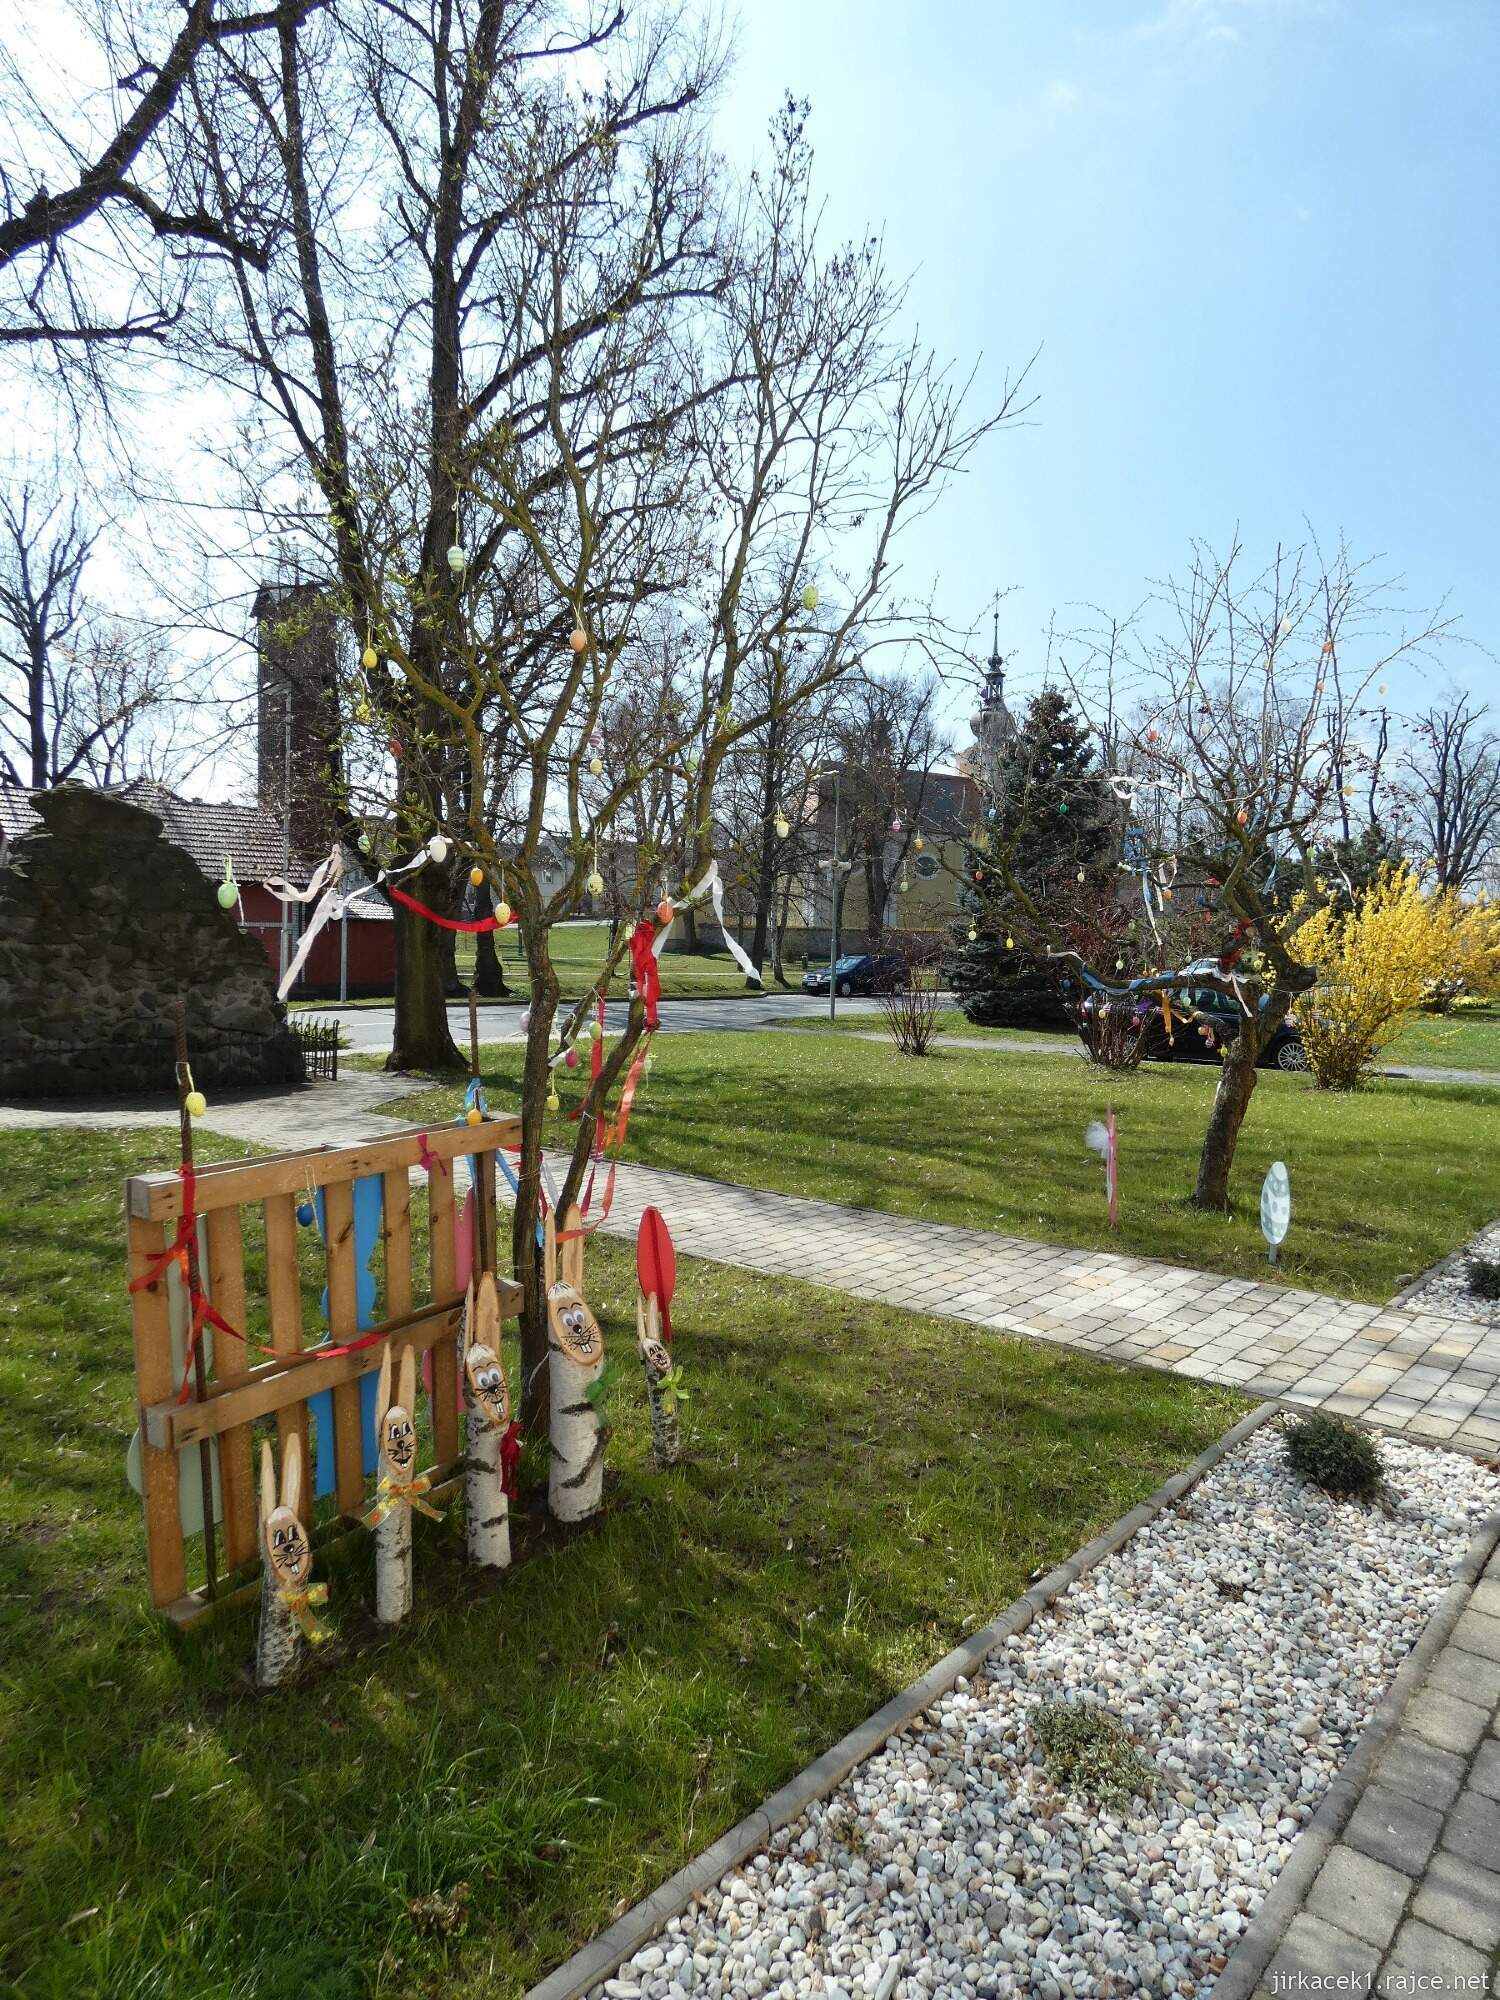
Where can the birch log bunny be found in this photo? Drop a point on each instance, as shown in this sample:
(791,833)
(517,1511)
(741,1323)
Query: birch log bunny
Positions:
(287,1598)
(661,1387)
(490,1431)
(575,1477)
(400,1489)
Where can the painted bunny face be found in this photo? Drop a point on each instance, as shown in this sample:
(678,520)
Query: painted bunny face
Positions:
(486,1384)
(398,1440)
(574,1327)
(656,1358)
(287,1547)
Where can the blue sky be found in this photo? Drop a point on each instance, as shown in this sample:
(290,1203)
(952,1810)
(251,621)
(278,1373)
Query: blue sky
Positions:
(1254,240)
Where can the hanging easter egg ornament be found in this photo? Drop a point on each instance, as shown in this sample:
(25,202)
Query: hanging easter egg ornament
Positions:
(369,658)
(473,1116)
(195,1104)
(458,559)
(437,848)
(783,826)
(578,639)
(973,934)
(571,1058)
(554,1102)
(307,1215)
(1010,943)
(1275,1206)
(595,883)
(810,597)
(228,891)
(476,877)
(1080,875)
(502,917)
(596,767)
(919,843)
(596,1033)
(665,910)
(1242,818)
(394,746)
(905,882)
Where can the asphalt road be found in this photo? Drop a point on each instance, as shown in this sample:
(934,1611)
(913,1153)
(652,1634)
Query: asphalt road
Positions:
(370,1027)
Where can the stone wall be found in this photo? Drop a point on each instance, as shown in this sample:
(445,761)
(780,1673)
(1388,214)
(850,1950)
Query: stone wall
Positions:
(103,924)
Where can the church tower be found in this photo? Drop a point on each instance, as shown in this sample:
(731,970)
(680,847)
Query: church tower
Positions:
(994,726)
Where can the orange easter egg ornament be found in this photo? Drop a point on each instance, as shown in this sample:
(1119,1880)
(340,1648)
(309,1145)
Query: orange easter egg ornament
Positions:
(578,639)
(665,911)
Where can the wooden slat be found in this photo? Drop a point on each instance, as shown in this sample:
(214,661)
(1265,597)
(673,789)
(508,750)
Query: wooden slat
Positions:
(276,1385)
(343,1324)
(166,1560)
(572,1251)
(444,1281)
(395,1227)
(284,1299)
(226,1285)
(230,1182)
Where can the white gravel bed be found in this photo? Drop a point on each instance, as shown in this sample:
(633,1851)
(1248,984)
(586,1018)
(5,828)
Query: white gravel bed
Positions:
(947,1865)
(1447,1292)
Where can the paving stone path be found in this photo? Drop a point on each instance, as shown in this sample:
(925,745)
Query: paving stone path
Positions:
(1408,1901)
(1415,1372)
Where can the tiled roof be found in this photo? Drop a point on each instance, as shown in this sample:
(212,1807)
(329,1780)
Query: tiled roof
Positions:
(252,836)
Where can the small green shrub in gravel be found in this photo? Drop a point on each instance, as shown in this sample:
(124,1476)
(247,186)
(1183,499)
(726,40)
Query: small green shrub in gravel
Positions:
(1484,1277)
(1084,1749)
(1342,1460)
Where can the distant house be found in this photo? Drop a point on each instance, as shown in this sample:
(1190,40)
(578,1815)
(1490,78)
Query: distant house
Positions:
(357,956)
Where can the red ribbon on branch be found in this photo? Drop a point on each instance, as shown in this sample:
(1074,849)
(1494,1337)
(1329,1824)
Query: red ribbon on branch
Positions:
(176,1252)
(490,923)
(647,971)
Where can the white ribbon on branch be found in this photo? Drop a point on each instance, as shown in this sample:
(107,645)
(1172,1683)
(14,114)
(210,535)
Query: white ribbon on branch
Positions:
(710,885)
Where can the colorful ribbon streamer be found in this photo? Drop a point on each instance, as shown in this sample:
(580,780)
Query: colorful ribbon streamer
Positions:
(490,923)
(300,1602)
(393,1493)
(176,1252)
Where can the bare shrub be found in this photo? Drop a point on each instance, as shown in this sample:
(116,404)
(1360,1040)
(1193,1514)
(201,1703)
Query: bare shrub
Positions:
(912,1002)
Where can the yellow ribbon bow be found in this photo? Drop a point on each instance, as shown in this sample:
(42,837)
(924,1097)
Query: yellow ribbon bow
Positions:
(300,1602)
(393,1493)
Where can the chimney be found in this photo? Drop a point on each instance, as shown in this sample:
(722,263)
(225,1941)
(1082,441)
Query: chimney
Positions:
(296,740)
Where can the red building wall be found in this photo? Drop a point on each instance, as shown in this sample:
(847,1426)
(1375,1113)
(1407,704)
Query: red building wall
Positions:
(372,949)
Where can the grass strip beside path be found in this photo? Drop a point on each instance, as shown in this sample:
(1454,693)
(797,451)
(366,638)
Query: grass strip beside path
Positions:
(449,1809)
(1384,1181)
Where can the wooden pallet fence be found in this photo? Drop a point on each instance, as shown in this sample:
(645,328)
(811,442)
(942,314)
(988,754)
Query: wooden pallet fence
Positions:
(245,1388)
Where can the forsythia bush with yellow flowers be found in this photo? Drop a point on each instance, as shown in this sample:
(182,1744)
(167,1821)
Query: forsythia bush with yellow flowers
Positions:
(1374,965)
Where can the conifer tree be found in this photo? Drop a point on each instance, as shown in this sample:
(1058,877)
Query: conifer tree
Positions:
(1048,813)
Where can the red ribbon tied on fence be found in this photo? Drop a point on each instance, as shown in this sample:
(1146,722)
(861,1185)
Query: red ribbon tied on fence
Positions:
(510,1458)
(427,1158)
(176,1252)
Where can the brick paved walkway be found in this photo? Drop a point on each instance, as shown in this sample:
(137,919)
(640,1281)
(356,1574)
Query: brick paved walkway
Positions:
(1406,1371)
(1412,1891)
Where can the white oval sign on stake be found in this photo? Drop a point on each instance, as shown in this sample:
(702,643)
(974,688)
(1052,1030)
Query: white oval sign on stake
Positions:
(1275,1206)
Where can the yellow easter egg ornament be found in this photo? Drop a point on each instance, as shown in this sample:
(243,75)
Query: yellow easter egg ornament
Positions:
(473,1116)
(195,1104)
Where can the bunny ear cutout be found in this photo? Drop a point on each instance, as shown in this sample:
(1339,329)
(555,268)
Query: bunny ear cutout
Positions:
(470,1335)
(267,1482)
(291,1474)
(383,1390)
(408,1379)
(484,1313)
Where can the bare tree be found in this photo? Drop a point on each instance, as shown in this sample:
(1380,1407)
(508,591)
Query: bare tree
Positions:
(888,740)
(1453,774)
(1250,696)
(99,235)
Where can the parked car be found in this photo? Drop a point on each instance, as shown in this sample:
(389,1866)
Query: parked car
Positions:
(1220,1012)
(859,972)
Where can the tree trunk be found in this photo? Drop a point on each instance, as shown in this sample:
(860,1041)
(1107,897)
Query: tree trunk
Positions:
(1231,1102)
(421,1039)
(765,880)
(486,1508)
(489,974)
(393,1562)
(575,1479)
(448,953)
(279,1642)
(778,935)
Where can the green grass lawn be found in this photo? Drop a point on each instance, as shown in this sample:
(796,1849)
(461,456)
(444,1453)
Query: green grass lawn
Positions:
(1384,1181)
(578,952)
(559,1744)
(1468,1039)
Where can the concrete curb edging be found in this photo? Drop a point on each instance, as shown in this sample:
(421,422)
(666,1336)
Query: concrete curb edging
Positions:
(601,1957)
(1255,1950)
(1441,1269)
